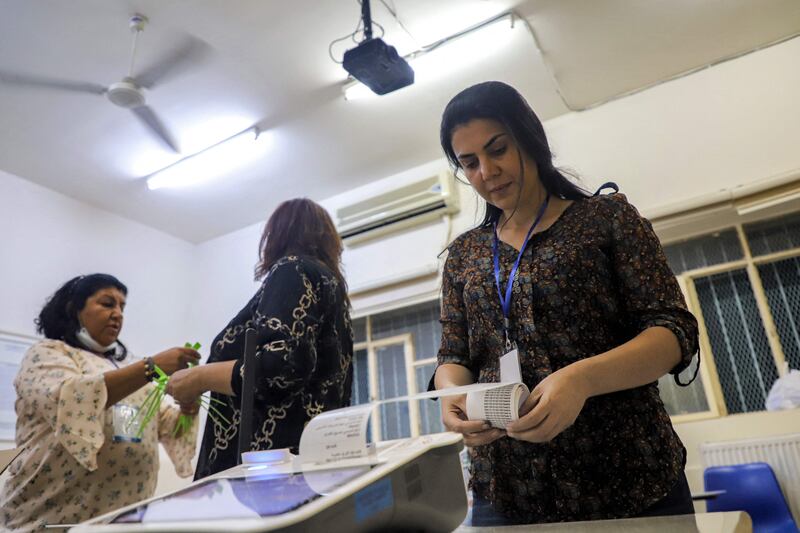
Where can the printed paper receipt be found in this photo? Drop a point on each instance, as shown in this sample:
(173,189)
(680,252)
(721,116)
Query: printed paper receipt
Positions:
(336,435)
(341,434)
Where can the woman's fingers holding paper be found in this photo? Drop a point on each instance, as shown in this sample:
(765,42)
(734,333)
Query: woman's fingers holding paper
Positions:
(483,437)
(532,417)
(530,402)
(475,432)
(559,404)
(454,416)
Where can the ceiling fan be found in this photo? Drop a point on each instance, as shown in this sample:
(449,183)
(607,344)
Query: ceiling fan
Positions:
(129,92)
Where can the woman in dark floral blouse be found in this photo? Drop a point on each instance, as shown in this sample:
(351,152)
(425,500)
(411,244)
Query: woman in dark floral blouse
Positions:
(595,313)
(304,337)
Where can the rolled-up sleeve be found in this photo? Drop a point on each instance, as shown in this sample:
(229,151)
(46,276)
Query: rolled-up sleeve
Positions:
(649,291)
(72,404)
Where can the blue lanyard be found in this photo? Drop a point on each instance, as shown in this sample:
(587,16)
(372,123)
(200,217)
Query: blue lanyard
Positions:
(505,302)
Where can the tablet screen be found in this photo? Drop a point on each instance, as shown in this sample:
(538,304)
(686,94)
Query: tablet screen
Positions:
(243,497)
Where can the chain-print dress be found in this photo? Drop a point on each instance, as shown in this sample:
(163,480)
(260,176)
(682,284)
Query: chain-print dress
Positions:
(304,351)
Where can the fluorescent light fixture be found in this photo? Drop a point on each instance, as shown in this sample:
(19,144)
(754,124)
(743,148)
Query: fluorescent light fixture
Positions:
(453,53)
(759,204)
(217,160)
(359,91)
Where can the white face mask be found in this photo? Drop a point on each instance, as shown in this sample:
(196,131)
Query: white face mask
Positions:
(88,342)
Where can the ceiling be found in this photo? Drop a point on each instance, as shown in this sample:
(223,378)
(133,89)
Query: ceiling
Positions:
(267,63)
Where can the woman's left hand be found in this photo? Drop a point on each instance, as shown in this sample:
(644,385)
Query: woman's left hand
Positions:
(186,385)
(551,407)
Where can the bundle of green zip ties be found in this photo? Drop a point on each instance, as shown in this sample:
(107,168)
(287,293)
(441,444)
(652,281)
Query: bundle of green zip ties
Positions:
(185,421)
(152,403)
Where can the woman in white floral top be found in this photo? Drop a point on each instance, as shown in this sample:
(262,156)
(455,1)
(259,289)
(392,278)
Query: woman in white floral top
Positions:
(72,466)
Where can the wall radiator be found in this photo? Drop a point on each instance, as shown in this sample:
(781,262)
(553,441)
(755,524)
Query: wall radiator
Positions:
(782,453)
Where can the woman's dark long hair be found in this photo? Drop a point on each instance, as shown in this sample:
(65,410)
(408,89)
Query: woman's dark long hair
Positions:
(59,316)
(500,102)
(301,227)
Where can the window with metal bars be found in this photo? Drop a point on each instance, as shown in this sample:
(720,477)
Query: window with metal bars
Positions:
(743,284)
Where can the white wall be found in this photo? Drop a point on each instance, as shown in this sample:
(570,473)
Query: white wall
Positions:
(222,280)
(733,124)
(46,238)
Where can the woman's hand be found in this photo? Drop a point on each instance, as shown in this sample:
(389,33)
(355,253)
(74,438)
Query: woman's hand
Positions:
(551,408)
(191,408)
(475,432)
(186,386)
(175,359)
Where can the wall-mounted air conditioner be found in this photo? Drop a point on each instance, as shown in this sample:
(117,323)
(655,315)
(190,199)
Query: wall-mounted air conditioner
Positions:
(399,208)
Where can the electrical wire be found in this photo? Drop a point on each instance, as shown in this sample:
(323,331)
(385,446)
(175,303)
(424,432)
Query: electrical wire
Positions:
(351,36)
(354,36)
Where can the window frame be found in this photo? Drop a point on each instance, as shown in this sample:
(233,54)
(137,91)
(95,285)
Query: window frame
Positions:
(749,263)
(707,373)
(371,346)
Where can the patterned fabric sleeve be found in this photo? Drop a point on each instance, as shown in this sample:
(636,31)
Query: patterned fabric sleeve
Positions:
(287,322)
(71,403)
(180,447)
(454,346)
(648,288)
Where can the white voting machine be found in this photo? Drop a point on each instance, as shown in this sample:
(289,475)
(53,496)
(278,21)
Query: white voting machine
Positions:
(406,485)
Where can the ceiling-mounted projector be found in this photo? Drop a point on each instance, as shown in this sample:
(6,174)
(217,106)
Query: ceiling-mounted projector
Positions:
(378,66)
(375,63)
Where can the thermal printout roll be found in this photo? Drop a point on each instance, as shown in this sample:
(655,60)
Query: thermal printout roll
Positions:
(499,406)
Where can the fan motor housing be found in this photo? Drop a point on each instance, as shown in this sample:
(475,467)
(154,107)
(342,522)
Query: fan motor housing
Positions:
(125,94)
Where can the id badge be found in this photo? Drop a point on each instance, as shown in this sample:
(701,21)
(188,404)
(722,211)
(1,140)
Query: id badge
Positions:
(510,371)
(125,426)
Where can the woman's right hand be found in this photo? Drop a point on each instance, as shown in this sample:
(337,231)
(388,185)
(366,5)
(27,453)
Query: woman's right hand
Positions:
(475,432)
(187,385)
(174,359)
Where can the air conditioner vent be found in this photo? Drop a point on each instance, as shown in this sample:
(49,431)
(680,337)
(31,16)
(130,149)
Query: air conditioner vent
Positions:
(398,208)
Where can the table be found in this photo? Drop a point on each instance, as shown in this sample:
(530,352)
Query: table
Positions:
(727,522)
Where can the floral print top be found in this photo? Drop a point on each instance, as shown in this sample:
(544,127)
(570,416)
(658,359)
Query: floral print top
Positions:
(70,468)
(590,282)
(304,351)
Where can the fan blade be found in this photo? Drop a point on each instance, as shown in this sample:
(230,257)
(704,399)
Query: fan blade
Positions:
(191,49)
(149,119)
(50,83)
